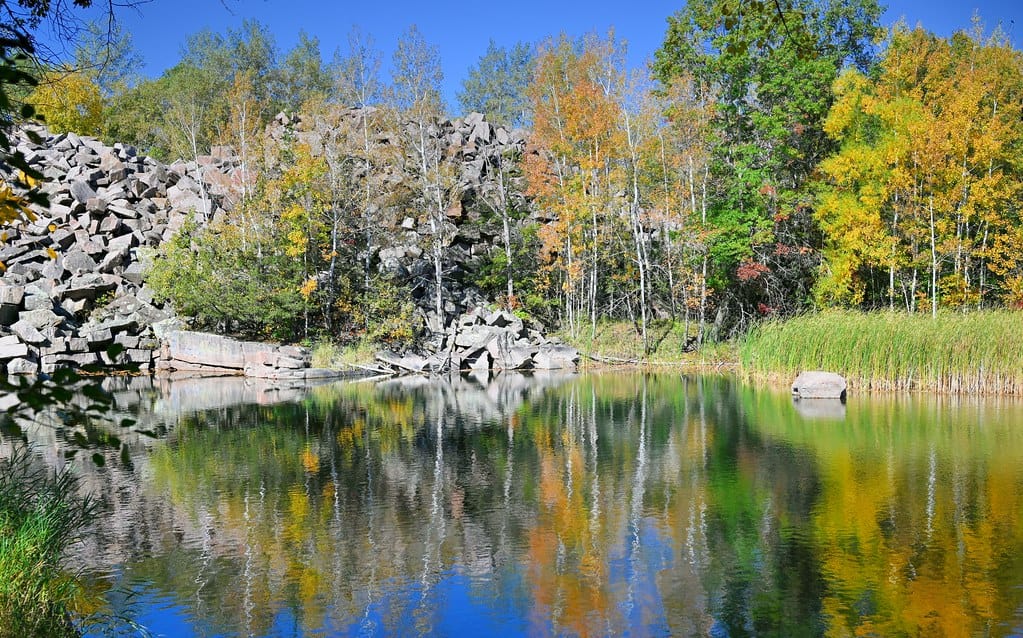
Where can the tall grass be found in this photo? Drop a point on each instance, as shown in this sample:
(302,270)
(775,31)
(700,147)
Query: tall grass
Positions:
(41,514)
(974,353)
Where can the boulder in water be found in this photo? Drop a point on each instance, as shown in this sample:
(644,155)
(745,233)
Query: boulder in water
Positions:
(816,384)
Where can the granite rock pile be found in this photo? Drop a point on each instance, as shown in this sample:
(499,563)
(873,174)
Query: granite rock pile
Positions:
(482,340)
(71,283)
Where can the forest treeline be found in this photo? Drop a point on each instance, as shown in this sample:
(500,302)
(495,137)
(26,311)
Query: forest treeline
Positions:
(772,158)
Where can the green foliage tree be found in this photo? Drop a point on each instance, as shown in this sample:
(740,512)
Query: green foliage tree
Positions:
(770,66)
(230,285)
(496,86)
(416,74)
(251,48)
(108,56)
(133,115)
(302,75)
(183,112)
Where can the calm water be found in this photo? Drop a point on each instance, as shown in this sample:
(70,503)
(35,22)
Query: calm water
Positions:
(595,505)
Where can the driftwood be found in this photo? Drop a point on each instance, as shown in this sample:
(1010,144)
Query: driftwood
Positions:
(374,369)
(642,362)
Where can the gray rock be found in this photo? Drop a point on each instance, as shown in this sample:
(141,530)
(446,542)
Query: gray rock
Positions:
(162,329)
(482,362)
(57,346)
(22,365)
(10,303)
(138,356)
(294,352)
(99,338)
(81,191)
(474,338)
(817,384)
(49,363)
(515,358)
(11,295)
(12,347)
(41,318)
(290,363)
(555,357)
(133,273)
(89,286)
(78,262)
(206,349)
(28,333)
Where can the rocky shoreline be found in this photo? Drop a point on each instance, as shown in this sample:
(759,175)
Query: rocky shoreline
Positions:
(72,278)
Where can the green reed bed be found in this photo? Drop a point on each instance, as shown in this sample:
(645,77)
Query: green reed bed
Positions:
(973,353)
(41,514)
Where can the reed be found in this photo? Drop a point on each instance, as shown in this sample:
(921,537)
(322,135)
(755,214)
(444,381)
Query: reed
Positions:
(953,353)
(41,514)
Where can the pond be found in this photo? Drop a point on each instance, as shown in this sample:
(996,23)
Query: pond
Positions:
(601,504)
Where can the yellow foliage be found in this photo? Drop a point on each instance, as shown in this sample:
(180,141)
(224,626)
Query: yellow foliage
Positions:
(924,179)
(297,242)
(308,288)
(310,460)
(13,207)
(69,101)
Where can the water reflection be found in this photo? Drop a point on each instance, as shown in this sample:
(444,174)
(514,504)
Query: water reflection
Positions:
(595,505)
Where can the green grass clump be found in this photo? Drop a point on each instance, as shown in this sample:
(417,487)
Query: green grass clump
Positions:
(974,353)
(41,514)
(668,342)
(362,352)
(325,354)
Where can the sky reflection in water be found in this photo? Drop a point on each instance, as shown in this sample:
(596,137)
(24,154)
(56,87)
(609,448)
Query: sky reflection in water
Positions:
(598,505)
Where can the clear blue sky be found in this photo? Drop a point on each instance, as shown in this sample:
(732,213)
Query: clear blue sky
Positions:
(462,29)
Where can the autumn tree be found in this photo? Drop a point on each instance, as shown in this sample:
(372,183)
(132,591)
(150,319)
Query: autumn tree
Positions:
(918,206)
(684,148)
(67,100)
(575,128)
(357,84)
(243,133)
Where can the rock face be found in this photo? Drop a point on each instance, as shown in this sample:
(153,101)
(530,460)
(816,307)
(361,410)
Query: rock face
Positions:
(474,151)
(819,385)
(487,341)
(71,284)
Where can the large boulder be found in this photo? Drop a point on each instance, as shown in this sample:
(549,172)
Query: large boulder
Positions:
(817,384)
(185,350)
(205,349)
(556,357)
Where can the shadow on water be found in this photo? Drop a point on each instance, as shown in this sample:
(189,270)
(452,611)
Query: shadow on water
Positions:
(592,505)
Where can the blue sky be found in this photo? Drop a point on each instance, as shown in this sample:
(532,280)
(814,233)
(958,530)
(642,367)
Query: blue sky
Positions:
(463,29)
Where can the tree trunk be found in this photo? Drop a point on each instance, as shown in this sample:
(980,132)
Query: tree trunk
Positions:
(934,261)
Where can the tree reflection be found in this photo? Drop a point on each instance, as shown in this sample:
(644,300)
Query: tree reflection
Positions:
(604,504)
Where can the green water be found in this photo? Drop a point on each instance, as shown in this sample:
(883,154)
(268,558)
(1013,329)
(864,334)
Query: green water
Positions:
(595,505)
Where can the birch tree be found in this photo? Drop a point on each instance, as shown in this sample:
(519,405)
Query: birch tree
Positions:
(416,80)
